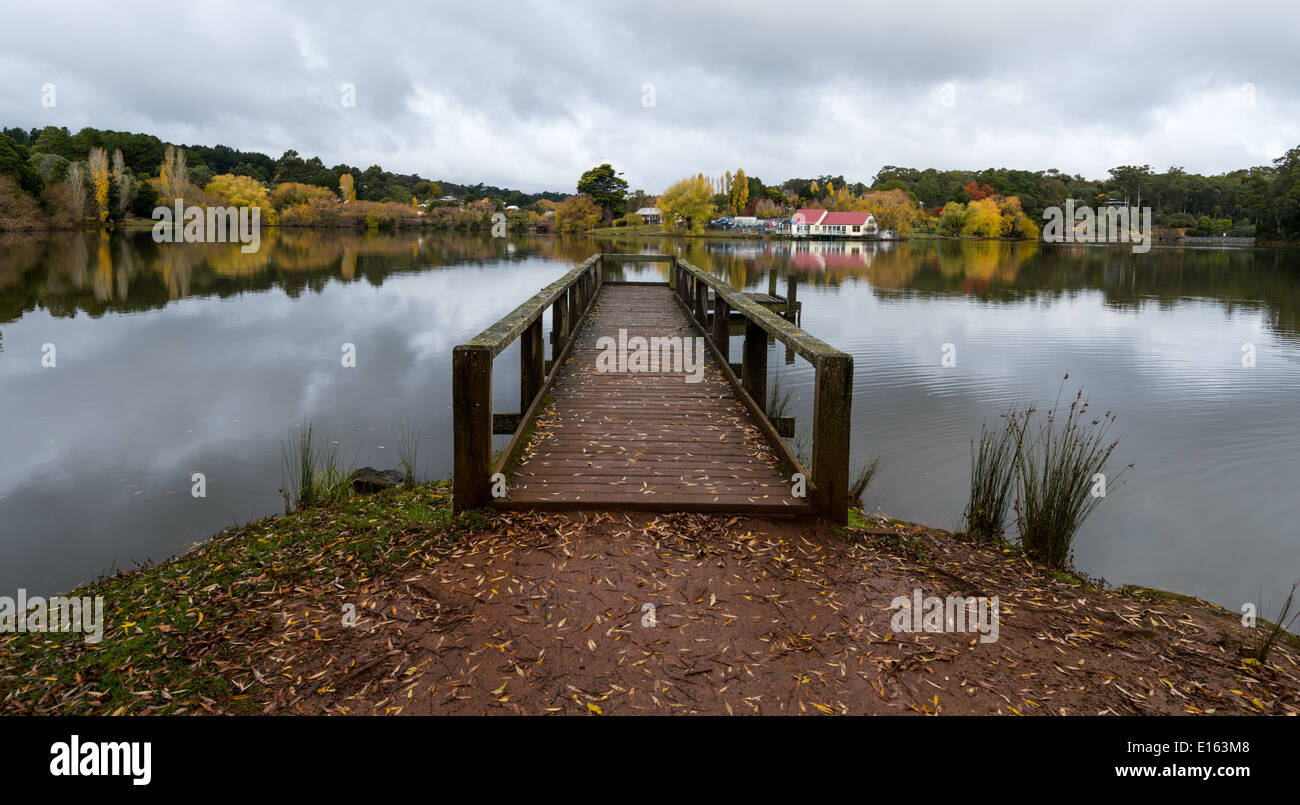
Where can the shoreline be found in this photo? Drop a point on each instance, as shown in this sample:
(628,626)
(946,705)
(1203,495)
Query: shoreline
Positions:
(214,629)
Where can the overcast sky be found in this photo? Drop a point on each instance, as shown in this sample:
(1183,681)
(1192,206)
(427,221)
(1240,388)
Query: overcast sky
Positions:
(529,95)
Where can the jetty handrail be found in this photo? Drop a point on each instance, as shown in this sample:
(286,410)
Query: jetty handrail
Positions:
(833,384)
(570,299)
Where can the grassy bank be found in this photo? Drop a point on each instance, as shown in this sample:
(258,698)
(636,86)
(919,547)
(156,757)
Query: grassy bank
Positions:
(543,613)
(181,637)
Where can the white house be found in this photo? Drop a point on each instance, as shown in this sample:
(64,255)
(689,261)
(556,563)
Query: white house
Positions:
(649,215)
(820,223)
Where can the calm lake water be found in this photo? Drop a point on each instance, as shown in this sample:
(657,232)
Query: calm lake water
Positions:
(172,359)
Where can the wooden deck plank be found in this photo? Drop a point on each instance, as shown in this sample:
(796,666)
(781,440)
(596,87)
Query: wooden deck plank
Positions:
(649,441)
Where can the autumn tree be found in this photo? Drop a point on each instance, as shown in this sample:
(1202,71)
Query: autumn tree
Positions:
(347,188)
(952,219)
(983,218)
(97,164)
(297,194)
(578,213)
(76,182)
(739,191)
(242,191)
(173,176)
(1015,224)
(893,209)
(122,181)
(691,200)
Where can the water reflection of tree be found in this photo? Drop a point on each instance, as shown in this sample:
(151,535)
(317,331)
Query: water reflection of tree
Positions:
(95,273)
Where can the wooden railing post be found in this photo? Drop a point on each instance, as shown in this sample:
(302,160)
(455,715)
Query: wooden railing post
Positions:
(791,290)
(753,372)
(532,364)
(702,304)
(722,327)
(832,409)
(471,405)
(559,324)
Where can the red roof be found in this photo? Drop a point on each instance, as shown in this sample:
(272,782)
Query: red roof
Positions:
(845,219)
(808,216)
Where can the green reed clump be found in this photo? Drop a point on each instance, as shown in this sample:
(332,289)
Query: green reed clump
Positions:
(1274,629)
(778,400)
(1060,477)
(407,440)
(863,479)
(311,474)
(993,462)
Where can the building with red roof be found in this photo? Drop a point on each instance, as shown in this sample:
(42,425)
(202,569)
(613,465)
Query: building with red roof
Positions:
(820,223)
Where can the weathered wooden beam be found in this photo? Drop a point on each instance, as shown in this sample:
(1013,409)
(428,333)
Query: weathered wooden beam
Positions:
(791,288)
(532,364)
(471,404)
(702,304)
(753,361)
(722,327)
(832,409)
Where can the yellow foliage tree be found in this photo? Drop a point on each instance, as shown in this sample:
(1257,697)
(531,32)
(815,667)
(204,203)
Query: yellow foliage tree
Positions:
(691,200)
(739,192)
(893,209)
(578,213)
(98,167)
(348,188)
(242,191)
(1015,224)
(983,219)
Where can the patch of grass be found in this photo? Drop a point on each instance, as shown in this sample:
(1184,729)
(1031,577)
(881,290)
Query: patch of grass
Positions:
(184,636)
(1154,594)
(897,543)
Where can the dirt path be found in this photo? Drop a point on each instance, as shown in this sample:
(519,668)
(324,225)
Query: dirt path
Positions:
(549,615)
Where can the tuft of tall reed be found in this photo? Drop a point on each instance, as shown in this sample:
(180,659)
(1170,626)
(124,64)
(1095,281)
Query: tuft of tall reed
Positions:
(407,440)
(778,400)
(993,462)
(311,474)
(1282,622)
(863,479)
(1061,478)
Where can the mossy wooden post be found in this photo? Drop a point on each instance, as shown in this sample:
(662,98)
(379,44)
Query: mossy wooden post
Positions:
(559,324)
(832,407)
(722,326)
(471,405)
(791,290)
(702,304)
(753,373)
(532,364)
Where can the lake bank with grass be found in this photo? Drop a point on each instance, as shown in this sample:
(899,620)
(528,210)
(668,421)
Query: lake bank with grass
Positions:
(390,604)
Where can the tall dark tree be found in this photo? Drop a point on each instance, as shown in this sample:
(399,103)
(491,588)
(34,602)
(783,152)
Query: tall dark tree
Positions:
(607,187)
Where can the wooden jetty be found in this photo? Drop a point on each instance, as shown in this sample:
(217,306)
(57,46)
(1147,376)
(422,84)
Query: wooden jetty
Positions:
(665,440)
